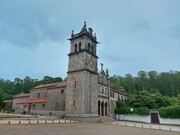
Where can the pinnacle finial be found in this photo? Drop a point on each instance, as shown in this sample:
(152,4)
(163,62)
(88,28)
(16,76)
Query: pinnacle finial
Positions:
(95,35)
(84,29)
(107,72)
(72,34)
(101,66)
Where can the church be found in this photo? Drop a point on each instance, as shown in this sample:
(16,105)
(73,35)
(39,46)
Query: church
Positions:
(85,94)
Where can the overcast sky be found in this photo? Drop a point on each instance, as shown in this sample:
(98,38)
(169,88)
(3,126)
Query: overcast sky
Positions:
(134,35)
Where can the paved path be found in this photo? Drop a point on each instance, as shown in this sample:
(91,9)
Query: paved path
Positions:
(20,122)
(81,128)
(147,126)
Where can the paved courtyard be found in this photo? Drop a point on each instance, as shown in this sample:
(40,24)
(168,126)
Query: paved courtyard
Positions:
(82,128)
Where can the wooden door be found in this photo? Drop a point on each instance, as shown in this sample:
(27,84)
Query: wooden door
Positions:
(154,118)
(29,108)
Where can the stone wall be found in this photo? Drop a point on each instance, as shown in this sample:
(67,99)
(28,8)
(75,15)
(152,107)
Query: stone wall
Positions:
(49,112)
(18,107)
(56,99)
(146,119)
(82,94)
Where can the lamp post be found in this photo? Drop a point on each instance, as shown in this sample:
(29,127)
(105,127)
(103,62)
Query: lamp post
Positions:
(132,110)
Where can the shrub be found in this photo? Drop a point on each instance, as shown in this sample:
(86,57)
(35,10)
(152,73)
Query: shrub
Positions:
(170,112)
(123,110)
(127,110)
(24,112)
(120,103)
(12,110)
(141,111)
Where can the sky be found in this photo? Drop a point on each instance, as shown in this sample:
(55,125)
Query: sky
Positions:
(134,35)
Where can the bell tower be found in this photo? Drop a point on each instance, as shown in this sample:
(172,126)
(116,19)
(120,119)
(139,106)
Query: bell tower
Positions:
(82,93)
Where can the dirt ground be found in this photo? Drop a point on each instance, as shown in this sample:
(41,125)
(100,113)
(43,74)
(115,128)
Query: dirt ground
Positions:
(82,128)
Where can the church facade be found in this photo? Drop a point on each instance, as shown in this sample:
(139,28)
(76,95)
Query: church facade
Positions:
(85,94)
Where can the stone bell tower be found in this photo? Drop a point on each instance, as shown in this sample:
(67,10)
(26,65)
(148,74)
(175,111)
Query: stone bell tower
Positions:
(82,93)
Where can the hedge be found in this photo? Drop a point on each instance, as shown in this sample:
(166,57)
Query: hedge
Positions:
(141,111)
(170,112)
(127,110)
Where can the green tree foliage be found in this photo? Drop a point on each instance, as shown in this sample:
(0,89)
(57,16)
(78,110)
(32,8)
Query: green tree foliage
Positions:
(149,100)
(1,101)
(141,111)
(9,88)
(167,83)
(170,112)
(123,108)
(127,110)
(120,104)
(48,79)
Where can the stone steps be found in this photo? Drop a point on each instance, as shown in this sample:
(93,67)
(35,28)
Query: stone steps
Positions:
(106,119)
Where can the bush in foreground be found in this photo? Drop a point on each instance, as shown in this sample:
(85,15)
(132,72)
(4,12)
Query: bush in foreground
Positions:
(170,112)
(127,110)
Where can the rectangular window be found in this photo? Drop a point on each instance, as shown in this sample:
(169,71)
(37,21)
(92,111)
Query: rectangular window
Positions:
(75,84)
(110,94)
(38,96)
(62,91)
(34,105)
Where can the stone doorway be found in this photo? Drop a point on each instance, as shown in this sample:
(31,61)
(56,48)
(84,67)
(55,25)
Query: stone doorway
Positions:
(29,108)
(154,117)
(102,108)
(99,106)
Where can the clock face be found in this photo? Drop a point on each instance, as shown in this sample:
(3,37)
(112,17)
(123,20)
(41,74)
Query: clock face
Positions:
(90,63)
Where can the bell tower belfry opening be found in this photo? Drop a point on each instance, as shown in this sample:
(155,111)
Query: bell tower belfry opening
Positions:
(82,83)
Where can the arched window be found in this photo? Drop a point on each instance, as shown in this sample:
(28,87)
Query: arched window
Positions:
(102,108)
(106,109)
(75,48)
(89,47)
(79,46)
(92,49)
(99,106)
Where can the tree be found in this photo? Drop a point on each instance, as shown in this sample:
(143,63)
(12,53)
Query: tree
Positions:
(18,86)
(149,100)
(129,83)
(142,79)
(1,101)
(29,83)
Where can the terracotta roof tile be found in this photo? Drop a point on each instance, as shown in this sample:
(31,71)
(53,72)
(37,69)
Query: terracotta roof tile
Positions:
(51,85)
(22,95)
(8,101)
(33,100)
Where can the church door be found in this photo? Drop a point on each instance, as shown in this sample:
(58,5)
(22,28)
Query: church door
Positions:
(29,108)
(99,106)
(102,108)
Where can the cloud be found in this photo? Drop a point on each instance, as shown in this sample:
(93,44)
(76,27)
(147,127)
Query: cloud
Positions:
(134,35)
(49,58)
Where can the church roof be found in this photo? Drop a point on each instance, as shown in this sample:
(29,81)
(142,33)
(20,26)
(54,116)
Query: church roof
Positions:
(51,85)
(33,100)
(122,93)
(84,29)
(8,101)
(22,95)
(83,32)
